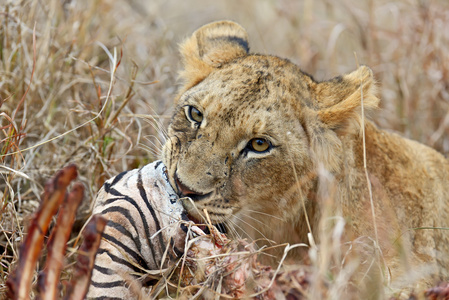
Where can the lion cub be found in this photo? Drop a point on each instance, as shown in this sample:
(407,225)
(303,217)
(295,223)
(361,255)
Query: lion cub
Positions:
(252,136)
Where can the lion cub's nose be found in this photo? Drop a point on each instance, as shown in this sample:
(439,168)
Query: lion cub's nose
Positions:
(185,191)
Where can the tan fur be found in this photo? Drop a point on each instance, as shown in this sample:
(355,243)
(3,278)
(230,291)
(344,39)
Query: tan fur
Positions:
(315,129)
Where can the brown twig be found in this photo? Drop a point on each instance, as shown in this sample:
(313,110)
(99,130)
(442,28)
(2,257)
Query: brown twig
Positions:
(79,285)
(49,277)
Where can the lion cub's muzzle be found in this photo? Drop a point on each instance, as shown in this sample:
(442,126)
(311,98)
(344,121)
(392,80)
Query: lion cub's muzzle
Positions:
(185,191)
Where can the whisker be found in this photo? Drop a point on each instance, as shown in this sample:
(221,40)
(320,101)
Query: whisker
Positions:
(156,147)
(230,226)
(264,214)
(255,219)
(159,124)
(234,224)
(155,138)
(258,231)
(153,122)
(149,146)
(149,149)
(155,143)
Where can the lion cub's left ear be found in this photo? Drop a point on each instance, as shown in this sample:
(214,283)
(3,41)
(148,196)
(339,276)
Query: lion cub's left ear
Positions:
(340,99)
(211,46)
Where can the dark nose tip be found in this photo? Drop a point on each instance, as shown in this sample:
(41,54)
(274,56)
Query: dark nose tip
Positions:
(185,191)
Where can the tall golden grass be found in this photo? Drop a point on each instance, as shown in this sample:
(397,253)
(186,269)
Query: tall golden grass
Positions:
(95,85)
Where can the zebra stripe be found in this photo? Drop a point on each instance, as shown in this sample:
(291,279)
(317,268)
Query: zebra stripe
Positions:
(138,204)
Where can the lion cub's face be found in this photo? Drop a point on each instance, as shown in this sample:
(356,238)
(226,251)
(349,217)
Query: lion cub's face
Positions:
(232,136)
(244,131)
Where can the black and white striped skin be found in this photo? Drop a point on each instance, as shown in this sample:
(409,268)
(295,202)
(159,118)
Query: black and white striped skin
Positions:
(144,217)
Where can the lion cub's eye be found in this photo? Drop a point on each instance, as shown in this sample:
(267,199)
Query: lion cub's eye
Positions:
(259,145)
(194,115)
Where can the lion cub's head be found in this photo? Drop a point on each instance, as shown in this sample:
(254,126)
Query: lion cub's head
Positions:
(249,131)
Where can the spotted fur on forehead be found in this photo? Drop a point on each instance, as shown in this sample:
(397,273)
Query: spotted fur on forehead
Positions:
(253,83)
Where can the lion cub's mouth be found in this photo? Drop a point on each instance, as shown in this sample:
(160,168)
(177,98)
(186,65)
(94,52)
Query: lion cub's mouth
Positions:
(185,191)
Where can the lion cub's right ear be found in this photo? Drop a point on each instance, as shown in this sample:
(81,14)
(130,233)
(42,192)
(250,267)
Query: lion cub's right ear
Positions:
(211,46)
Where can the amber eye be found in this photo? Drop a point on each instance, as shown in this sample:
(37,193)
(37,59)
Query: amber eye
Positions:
(194,114)
(259,145)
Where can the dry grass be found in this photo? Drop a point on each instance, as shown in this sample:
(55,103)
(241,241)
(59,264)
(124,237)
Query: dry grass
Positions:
(70,100)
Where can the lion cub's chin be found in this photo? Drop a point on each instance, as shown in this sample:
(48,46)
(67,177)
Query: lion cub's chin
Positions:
(202,215)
